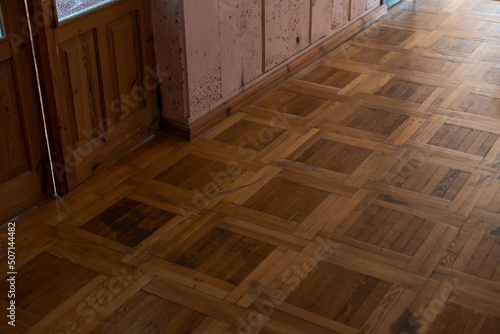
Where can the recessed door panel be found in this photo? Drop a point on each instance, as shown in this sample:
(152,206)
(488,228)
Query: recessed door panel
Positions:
(14,160)
(83,94)
(126,67)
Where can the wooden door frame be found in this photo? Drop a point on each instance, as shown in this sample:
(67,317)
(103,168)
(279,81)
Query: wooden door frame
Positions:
(37,185)
(43,16)
(39,19)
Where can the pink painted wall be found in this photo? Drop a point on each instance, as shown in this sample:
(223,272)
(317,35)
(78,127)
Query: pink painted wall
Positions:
(241,43)
(329,15)
(216,48)
(171,58)
(286,30)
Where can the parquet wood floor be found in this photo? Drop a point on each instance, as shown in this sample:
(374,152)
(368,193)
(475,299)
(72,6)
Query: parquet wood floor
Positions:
(360,196)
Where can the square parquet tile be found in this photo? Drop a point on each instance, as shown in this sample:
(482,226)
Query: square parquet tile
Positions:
(475,250)
(374,120)
(463,139)
(339,157)
(390,229)
(493,55)
(486,7)
(249,135)
(406,91)
(360,54)
(426,65)
(473,23)
(458,45)
(47,281)
(193,172)
(434,4)
(486,260)
(386,35)
(330,76)
(147,313)
(339,294)
(492,77)
(290,103)
(480,105)
(418,19)
(128,222)
(225,255)
(286,199)
(457,319)
(428,179)
(490,200)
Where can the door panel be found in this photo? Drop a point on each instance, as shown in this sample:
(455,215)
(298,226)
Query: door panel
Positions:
(103,84)
(24,166)
(78,57)
(12,142)
(126,72)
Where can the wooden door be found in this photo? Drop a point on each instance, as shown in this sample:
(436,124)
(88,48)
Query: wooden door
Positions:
(99,79)
(25,177)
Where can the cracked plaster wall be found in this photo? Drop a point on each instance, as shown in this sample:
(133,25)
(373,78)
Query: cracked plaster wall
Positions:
(170,58)
(231,43)
(286,30)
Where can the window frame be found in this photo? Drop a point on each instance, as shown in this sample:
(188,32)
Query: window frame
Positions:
(61,18)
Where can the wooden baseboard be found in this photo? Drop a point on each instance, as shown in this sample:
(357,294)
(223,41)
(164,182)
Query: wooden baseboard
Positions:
(178,129)
(283,72)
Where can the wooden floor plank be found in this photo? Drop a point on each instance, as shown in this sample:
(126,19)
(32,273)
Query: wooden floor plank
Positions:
(361,195)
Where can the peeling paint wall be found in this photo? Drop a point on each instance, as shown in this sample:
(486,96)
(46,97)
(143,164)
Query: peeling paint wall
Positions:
(322,12)
(286,30)
(372,3)
(241,43)
(340,14)
(170,56)
(203,54)
(358,7)
(231,43)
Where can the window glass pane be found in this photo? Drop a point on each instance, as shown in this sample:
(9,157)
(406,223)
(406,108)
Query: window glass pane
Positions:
(68,8)
(1,22)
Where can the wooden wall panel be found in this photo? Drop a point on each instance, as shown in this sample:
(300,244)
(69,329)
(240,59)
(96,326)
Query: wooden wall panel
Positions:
(14,160)
(82,89)
(5,51)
